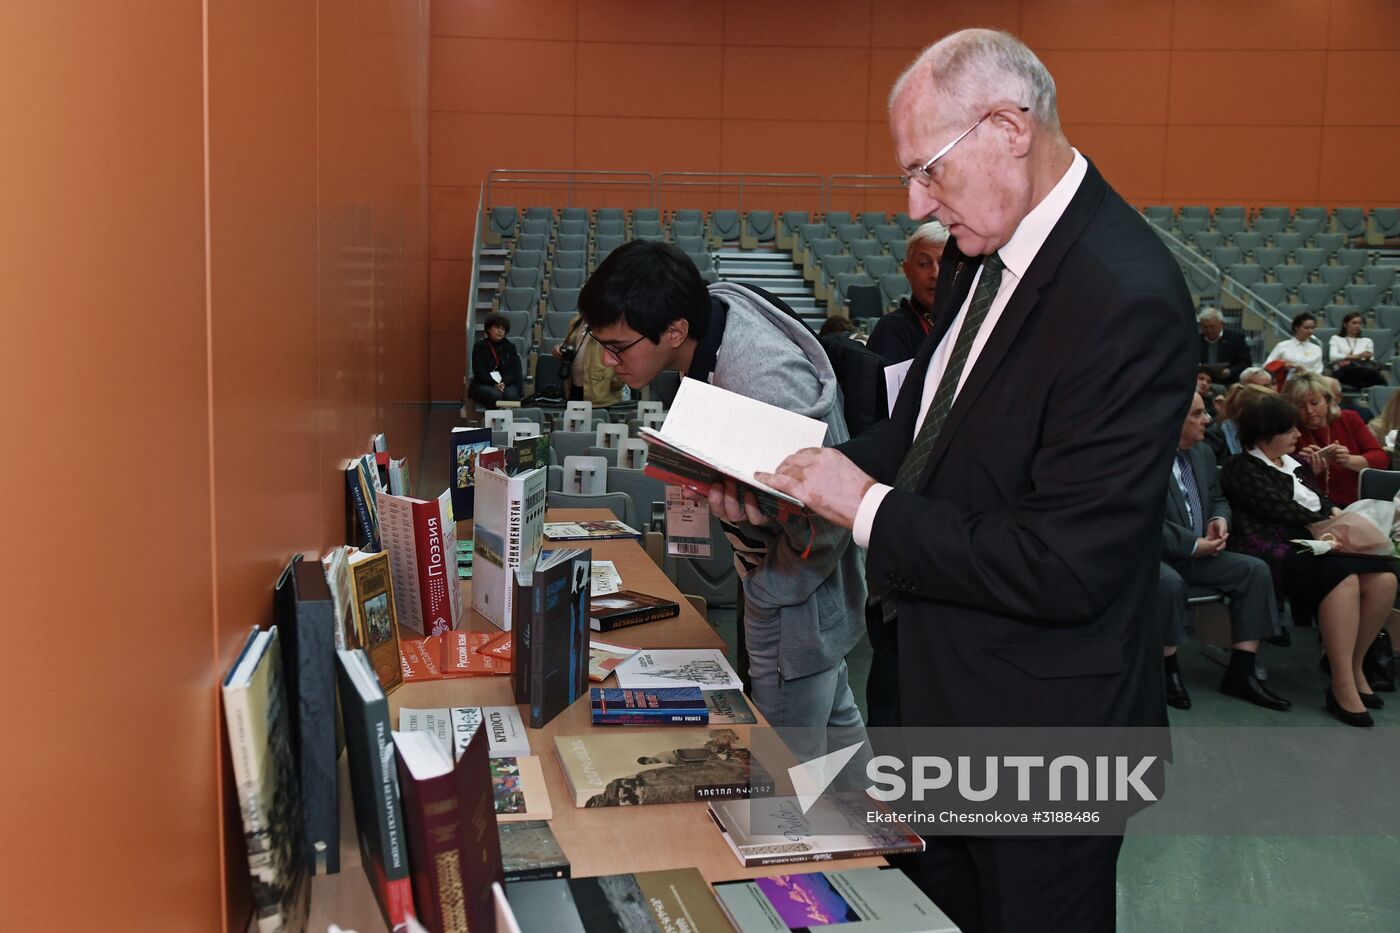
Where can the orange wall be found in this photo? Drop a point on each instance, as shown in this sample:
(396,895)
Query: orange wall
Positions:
(133,362)
(1177,101)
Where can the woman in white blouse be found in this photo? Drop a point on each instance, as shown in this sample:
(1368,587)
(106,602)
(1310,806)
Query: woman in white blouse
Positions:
(1353,355)
(1300,352)
(1274,500)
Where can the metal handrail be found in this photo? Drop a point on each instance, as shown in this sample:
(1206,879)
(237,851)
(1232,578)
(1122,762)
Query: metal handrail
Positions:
(861,183)
(1268,314)
(721,181)
(568,179)
(477,239)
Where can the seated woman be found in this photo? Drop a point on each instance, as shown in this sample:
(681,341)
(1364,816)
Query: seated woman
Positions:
(1386,424)
(496,371)
(1341,439)
(1274,498)
(1300,354)
(1353,356)
(1223,437)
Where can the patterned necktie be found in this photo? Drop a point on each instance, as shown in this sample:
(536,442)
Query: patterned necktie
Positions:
(1193,494)
(914,462)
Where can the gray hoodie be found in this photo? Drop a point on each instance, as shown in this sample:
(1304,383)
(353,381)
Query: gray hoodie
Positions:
(819,601)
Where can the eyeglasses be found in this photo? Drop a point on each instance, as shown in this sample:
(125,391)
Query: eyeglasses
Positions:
(923,175)
(611,349)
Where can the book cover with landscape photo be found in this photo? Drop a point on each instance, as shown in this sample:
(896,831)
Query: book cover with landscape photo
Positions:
(679,765)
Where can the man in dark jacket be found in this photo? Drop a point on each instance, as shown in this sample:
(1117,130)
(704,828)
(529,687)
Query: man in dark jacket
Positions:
(897,335)
(1223,351)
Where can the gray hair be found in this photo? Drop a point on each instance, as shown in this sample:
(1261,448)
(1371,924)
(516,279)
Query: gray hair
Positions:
(974,68)
(932,235)
(1255,371)
(1209,314)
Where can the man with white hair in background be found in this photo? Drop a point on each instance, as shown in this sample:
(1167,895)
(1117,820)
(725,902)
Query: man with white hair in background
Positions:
(1012,504)
(898,335)
(1223,351)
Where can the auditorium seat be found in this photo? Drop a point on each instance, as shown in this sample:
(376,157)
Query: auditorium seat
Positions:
(573,213)
(647,215)
(540,213)
(610,215)
(688,215)
(1288,241)
(906,223)
(1281,214)
(863,248)
(1384,276)
(524,277)
(1247,274)
(516,299)
(570,243)
(1268,226)
(833,265)
(1309,258)
(1270,293)
(1268,256)
(758,229)
(645,228)
(880,264)
(872,219)
(562,301)
(535,226)
(1352,259)
(836,218)
(1334,277)
(1290,276)
(1249,241)
(788,222)
(1230,226)
(1226,256)
(609,226)
(566,278)
(1350,221)
(1384,339)
(572,227)
(501,222)
(691,244)
(532,242)
(1207,240)
(724,226)
(690,229)
(1365,297)
(847,233)
(1329,243)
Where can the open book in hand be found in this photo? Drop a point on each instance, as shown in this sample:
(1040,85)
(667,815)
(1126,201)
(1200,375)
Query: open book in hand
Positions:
(711,433)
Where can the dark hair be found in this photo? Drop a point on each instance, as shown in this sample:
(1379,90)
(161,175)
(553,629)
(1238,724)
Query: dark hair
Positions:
(1265,417)
(648,286)
(1302,318)
(1349,317)
(496,320)
(836,324)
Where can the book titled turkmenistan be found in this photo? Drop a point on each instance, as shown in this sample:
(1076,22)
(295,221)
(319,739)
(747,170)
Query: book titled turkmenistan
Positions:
(858,900)
(646,901)
(676,765)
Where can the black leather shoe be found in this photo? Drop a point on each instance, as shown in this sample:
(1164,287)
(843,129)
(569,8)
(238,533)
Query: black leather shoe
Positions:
(1371,701)
(1249,688)
(1176,691)
(1362,719)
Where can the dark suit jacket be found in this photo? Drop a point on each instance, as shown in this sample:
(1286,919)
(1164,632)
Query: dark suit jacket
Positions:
(1178,537)
(1025,562)
(1233,352)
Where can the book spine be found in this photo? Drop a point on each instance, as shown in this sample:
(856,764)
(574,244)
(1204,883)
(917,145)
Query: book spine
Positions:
(634,617)
(659,717)
(515,529)
(756,861)
(315,680)
(432,812)
(535,613)
(359,506)
(537,874)
(432,568)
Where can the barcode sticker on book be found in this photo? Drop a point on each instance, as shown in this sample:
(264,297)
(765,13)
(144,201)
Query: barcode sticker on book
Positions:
(687,525)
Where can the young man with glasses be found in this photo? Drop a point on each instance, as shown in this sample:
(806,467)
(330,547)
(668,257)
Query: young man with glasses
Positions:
(804,588)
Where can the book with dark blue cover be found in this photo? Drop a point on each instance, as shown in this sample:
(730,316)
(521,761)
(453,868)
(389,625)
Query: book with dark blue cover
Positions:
(551,634)
(464,448)
(659,706)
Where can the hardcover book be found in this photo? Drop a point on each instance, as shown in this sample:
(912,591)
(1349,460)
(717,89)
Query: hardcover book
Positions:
(361,481)
(399,483)
(336,564)
(589,531)
(452,654)
(729,708)
(696,447)
(776,830)
(645,902)
(666,766)
(305,613)
(260,742)
(529,852)
(705,668)
(662,706)
(421,540)
(550,640)
(628,607)
(518,789)
(464,447)
(859,900)
(376,616)
(454,728)
(453,844)
(506,534)
(374,787)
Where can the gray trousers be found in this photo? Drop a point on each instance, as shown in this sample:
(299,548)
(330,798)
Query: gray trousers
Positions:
(1244,579)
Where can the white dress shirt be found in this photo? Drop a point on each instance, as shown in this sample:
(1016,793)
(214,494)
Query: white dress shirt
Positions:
(1342,347)
(1016,255)
(1306,354)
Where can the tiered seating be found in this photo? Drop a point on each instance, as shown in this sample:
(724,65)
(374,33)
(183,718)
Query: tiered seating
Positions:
(853,263)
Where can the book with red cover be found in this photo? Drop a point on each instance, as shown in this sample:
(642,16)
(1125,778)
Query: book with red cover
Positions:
(421,538)
(454,849)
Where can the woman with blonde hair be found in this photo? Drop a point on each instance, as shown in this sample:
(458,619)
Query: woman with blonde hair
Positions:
(1386,423)
(1340,439)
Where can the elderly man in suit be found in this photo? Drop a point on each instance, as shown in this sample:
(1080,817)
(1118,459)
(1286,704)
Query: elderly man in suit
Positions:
(1012,504)
(1224,352)
(1194,534)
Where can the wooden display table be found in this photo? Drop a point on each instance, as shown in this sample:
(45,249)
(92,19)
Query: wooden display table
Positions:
(597,842)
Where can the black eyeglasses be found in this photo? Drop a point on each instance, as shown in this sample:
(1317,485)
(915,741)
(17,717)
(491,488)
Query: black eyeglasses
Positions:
(611,349)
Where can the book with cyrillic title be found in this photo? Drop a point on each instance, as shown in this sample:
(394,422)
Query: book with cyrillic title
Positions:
(664,706)
(628,607)
(778,830)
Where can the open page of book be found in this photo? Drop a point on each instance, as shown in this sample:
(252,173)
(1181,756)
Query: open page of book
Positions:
(894,380)
(738,434)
